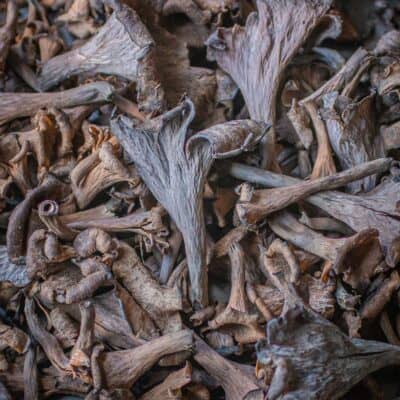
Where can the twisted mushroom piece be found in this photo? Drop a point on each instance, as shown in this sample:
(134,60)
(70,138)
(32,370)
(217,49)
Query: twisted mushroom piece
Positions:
(279,259)
(51,188)
(236,319)
(44,250)
(263,202)
(17,105)
(129,270)
(99,171)
(175,167)
(256,56)
(130,54)
(123,368)
(356,256)
(373,210)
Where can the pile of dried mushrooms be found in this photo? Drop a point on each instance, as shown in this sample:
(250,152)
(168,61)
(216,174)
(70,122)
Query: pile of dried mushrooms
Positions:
(199,199)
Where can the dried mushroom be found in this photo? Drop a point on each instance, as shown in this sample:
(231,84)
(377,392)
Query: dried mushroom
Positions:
(199,199)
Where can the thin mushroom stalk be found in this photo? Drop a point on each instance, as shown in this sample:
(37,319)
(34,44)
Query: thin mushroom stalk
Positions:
(129,55)
(7,33)
(373,210)
(237,318)
(17,105)
(266,201)
(174,166)
(256,56)
(347,255)
(238,383)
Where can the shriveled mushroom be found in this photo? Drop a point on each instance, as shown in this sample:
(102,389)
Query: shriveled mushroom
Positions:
(256,56)
(131,43)
(175,167)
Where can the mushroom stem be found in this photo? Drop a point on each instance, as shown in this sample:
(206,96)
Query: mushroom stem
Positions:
(124,368)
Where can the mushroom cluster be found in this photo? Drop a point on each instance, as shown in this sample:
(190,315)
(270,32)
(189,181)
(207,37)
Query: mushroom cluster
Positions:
(199,199)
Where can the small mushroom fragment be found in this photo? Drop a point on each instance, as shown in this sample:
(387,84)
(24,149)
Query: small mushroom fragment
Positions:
(17,105)
(14,338)
(266,201)
(376,302)
(256,56)
(175,167)
(279,259)
(352,134)
(124,368)
(128,55)
(99,171)
(237,319)
(43,252)
(80,358)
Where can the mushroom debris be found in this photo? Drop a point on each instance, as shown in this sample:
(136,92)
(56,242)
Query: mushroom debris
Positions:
(199,199)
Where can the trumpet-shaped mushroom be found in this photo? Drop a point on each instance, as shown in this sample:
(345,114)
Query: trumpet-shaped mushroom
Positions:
(257,55)
(236,319)
(263,202)
(124,368)
(174,167)
(17,105)
(130,54)
(313,359)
